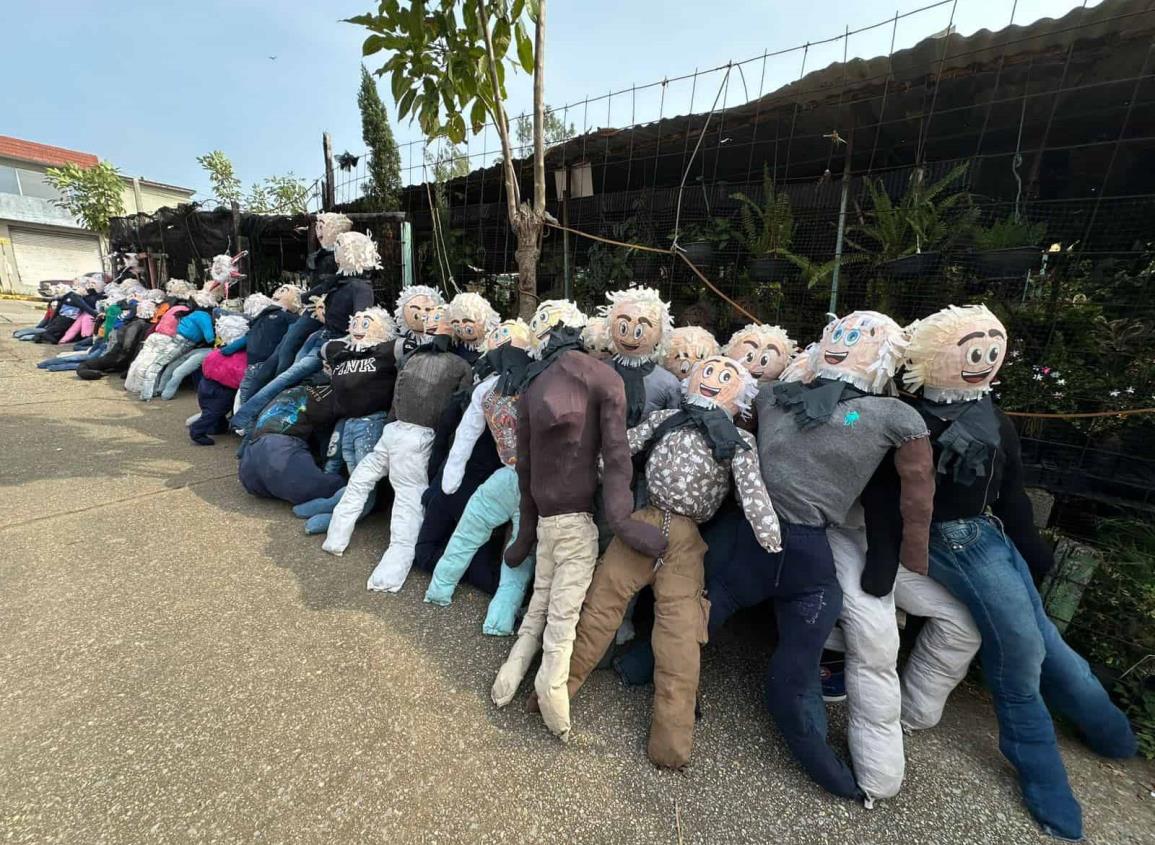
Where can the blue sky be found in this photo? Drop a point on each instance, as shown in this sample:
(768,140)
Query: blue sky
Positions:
(151,85)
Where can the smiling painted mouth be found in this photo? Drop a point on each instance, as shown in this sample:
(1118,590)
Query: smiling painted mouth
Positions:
(835,357)
(976,376)
(709,392)
(630,346)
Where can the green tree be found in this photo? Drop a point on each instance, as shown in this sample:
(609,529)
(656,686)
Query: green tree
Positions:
(384,184)
(555,128)
(447,65)
(92,194)
(226,185)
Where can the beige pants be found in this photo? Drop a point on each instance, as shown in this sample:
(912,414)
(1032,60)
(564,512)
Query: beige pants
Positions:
(567,549)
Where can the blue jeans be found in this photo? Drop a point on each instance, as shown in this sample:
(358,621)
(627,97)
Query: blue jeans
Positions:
(307,363)
(358,437)
(1027,666)
(73,360)
(285,353)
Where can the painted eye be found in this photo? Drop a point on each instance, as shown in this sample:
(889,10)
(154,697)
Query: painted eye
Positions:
(993,354)
(749,359)
(975,355)
(684,368)
(765,360)
(623,327)
(638,332)
(726,377)
(708,372)
(837,335)
(852,337)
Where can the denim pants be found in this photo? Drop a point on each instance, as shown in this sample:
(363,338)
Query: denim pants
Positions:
(307,363)
(64,363)
(358,437)
(179,370)
(1027,666)
(277,466)
(802,582)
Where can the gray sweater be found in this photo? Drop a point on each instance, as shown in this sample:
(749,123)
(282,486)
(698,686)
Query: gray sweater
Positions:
(425,383)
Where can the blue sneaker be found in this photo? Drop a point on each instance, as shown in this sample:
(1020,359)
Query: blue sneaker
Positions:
(833,681)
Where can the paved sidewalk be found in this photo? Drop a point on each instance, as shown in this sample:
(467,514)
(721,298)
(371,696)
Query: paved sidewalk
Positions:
(179,663)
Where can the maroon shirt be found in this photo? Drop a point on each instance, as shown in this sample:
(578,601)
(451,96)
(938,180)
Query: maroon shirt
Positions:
(575,409)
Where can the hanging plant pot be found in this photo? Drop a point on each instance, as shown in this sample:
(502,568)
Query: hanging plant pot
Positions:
(700,253)
(771,269)
(1014,262)
(912,266)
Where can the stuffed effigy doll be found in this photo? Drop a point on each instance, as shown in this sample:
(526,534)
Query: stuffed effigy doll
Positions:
(496,501)
(162,340)
(763,351)
(472,319)
(270,318)
(222,274)
(596,340)
(195,328)
(985,550)
(690,456)
(414,306)
(128,338)
(820,443)
(220,377)
(572,410)
(639,326)
(426,381)
(688,345)
(362,374)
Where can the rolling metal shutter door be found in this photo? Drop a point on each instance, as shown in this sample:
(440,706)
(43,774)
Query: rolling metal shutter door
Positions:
(53,255)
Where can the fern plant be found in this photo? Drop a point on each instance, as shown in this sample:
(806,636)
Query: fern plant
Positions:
(1009,233)
(767,228)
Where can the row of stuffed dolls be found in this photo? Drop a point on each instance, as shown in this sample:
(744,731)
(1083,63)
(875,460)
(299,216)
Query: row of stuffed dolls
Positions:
(619,453)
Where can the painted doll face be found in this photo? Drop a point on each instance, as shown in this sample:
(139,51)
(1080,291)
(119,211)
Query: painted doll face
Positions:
(688,346)
(288,297)
(436,322)
(544,319)
(850,346)
(596,340)
(635,327)
(973,359)
(718,379)
(764,358)
(466,329)
(367,329)
(510,333)
(417,311)
(318,303)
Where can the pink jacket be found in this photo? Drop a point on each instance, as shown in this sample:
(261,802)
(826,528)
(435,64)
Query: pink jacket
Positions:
(226,369)
(167,324)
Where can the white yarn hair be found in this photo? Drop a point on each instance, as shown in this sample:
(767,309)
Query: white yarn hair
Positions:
(146,309)
(745,396)
(596,336)
(230,327)
(297,292)
(255,303)
(382,315)
(332,224)
(406,295)
(355,253)
(643,296)
(59,289)
(891,353)
(205,299)
(571,316)
(930,337)
(765,334)
(801,366)
(477,308)
(179,288)
(155,295)
(222,268)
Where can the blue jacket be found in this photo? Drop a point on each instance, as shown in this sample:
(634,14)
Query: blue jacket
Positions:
(197,326)
(265,332)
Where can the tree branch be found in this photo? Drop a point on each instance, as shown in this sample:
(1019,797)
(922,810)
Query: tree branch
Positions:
(512,192)
(539,112)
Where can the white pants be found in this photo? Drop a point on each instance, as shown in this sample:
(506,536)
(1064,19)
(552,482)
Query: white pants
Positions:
(567,550)
(402,453)
(879,703)
(153,347)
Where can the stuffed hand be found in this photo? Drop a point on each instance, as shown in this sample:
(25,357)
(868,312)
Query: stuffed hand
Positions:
(519,549)
(914,559)
(642,537)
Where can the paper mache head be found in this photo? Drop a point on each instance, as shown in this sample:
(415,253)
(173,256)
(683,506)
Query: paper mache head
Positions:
(763,350)
(289,298)
(355,253)
(179,288)
(230,327)
(688,345)
(146,309)
(955,354)
(472,318)
(255,303)
(329,226)
(205,299)
(153,295)
(720,382)
(413,305)
(370,327)
(800,367)
(437,322)
(316,308)
(514,333)
(551,313)
(639,324)
(222,273)
(596,339)
(864,349)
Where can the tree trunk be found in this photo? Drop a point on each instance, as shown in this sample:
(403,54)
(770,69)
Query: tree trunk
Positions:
(528,225)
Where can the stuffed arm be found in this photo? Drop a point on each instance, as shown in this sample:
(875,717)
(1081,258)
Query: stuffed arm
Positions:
(754,498)
(519,549)
(1014,508)
(465,438)
(915,465)
(618,472)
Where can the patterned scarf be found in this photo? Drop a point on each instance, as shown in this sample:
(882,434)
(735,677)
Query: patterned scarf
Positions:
(970,440)
(812,404)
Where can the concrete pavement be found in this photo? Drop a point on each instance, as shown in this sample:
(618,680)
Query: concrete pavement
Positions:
(178,662)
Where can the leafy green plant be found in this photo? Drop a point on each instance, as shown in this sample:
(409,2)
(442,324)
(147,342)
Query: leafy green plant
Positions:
(767,228)
(93,195)
(1008,233)
(384,182)
(716,231)
(286,194)
(226,186)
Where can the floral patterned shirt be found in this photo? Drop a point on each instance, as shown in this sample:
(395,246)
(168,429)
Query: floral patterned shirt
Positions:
(684,478)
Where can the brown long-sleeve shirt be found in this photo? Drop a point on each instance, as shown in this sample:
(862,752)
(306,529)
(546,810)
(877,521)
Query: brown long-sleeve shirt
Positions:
(569,414)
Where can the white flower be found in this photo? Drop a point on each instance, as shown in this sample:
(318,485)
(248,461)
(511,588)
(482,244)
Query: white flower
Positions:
(1062,382)
(1059,394)
(1113,393)
(1038,376)
(1131,390)
(1054,373)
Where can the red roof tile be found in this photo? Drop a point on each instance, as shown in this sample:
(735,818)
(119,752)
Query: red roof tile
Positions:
(43,154)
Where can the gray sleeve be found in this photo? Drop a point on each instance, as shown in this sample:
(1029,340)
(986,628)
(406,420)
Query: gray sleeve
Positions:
(765,398)
(906,423)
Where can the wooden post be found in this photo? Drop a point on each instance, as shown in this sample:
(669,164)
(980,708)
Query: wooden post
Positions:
(329,194)
(242,265)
